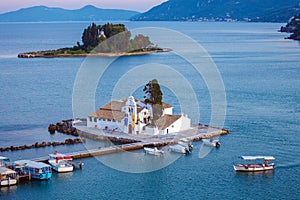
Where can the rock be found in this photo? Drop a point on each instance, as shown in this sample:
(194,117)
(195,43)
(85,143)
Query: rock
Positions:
(55,143)
(52,128)
(43,144)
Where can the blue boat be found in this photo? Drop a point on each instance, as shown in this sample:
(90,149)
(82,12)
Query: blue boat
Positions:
(36,170)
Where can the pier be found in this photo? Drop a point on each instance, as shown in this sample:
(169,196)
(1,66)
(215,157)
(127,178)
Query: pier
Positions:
(196,133)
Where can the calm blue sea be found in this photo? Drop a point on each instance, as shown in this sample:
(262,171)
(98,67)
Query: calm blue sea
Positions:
(261,75)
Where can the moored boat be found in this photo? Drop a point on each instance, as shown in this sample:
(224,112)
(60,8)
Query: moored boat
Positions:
(211,142)
(7,177)
(4,160)
(254,167)
(153,151)
(179,149)
(186,144)
(36,170)
(59,162)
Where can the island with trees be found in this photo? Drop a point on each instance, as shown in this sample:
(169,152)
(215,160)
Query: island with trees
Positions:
(103,40)
(293,27)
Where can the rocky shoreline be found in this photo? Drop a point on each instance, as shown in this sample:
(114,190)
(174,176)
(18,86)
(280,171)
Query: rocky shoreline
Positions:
(51,54)
(43,144)
(66,127)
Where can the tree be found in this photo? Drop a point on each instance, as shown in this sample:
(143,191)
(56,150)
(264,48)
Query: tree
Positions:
(90,36)
(113,38)
(154,98)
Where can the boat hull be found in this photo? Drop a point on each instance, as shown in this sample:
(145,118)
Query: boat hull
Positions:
(179,149)
(213,143)
(253,167)
(43,176)
(62,169)
(8,182)
(155,152)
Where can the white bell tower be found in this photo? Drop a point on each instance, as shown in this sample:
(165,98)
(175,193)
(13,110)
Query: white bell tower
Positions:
(130,115)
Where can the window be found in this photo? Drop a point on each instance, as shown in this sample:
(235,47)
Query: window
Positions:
(90,119)
(172,126)
(95,119)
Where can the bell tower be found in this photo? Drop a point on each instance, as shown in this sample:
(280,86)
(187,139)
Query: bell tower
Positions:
(130,115)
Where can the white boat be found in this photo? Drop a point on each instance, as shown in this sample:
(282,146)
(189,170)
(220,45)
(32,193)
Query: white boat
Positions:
(36,170)
(179,149)
(7,177)
(153,151)
(211,142)
(59,162)
(186,144)
(254,167)
(3,161)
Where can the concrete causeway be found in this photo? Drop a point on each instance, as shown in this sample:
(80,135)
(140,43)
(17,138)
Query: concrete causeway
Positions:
(134,142)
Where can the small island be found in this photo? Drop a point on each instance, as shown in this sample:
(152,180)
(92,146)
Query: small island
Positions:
(108,40)
(293,26)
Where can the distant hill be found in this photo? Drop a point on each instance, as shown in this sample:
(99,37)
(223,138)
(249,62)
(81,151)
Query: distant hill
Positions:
(87,13)
(222,10)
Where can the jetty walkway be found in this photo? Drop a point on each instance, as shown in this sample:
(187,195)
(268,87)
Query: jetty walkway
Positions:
(133,142)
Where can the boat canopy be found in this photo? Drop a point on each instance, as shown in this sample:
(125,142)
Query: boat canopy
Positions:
(32,164)
(257,157)
(60,156)
(4,170)
(6,159)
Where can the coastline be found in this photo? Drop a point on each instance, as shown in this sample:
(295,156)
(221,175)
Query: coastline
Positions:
(45,54)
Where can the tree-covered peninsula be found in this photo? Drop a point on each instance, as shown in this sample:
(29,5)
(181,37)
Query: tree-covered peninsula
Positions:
(293,26)
(103,40)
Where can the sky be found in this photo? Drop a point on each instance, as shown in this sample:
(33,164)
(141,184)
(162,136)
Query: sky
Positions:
(137,5)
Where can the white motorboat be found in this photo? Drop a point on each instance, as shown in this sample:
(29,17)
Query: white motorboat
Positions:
(179,149)
(254,167)
(153,151)
(59,162)
(211,142)
(7,177)
(3,161)
(186,144)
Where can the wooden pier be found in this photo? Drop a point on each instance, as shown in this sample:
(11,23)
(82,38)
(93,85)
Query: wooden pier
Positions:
(24,177)
(198,132)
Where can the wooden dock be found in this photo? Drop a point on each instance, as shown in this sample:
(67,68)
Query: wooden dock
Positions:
(198,132)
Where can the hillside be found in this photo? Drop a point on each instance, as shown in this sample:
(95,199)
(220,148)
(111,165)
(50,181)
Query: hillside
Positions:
(221,10)
(87,13)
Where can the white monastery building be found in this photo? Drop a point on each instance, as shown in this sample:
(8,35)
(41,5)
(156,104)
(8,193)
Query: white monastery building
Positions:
(134,117)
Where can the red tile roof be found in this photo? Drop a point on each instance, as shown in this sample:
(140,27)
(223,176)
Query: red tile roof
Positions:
(113,110)
(108,114)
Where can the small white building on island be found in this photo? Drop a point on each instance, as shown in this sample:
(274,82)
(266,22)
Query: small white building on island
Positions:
(134,117)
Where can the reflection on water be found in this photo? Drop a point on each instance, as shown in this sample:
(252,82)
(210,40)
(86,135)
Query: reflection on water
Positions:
(8,189)
(64,175)
(264,174)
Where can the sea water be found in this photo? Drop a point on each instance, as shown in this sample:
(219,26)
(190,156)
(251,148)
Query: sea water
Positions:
(260,72)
